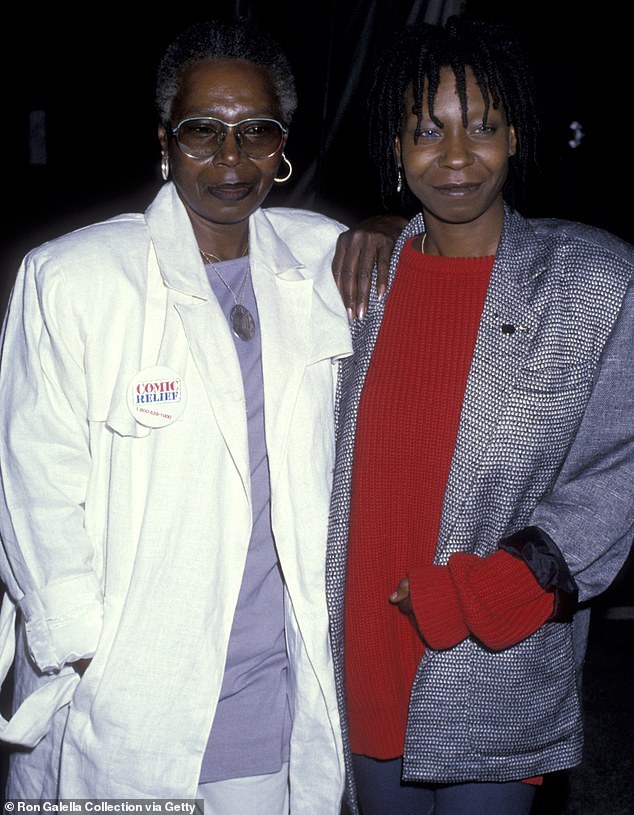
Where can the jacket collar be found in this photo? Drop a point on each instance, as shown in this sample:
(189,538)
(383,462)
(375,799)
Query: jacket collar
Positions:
(180,263)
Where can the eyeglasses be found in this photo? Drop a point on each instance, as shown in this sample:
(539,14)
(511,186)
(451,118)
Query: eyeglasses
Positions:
(202,136)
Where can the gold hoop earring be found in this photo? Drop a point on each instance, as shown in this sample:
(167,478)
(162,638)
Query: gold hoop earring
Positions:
(288,174)
(165,166)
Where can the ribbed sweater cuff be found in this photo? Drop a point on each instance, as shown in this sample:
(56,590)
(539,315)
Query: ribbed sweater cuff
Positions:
(496,599)
(501,600)
(436,607)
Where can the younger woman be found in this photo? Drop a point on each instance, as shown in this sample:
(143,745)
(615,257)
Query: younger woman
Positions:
(492,388)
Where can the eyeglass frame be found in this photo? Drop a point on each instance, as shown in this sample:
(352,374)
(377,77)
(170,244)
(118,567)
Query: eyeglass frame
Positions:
(173,131)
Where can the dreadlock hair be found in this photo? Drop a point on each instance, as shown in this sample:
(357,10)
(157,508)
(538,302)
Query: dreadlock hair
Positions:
(217,39)
(415,58)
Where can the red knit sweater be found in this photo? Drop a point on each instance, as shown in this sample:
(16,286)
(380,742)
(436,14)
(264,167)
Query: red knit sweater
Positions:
(407,425)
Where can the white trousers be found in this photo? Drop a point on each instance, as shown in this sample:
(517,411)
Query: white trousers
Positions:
(255,795)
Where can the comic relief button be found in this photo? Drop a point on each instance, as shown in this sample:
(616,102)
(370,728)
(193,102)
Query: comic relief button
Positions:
(156,396)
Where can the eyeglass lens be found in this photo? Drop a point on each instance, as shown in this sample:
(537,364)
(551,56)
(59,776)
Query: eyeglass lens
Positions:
(203,137)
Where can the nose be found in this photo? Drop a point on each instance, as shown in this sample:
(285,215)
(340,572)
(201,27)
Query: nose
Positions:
(457,152)
(229,151)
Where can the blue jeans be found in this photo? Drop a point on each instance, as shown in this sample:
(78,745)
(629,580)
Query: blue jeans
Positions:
(381,792)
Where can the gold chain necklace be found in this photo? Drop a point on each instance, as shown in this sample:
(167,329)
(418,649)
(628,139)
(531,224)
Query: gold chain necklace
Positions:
(211,258)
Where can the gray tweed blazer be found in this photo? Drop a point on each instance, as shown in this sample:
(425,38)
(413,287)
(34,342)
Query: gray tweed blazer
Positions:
(546,438)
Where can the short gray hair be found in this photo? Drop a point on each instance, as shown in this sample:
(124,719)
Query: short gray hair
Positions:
(215,39)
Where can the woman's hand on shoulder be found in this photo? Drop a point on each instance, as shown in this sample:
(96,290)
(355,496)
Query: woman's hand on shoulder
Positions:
(358,249)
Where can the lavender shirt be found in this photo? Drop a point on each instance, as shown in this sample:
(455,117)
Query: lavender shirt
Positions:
(251,730)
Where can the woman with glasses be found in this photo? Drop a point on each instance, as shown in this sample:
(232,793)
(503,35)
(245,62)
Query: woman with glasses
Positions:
(167,394)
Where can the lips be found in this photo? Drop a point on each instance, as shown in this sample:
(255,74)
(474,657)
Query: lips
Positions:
(457,190)
(230,192)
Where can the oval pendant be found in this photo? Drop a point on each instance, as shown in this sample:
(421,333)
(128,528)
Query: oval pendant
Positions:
(242,322)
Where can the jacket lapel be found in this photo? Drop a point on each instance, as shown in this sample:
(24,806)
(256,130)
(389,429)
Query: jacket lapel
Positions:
(297,329)
(214,354)
(192,308)
(508,323)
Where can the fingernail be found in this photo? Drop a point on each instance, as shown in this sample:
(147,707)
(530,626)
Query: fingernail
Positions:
(350,315)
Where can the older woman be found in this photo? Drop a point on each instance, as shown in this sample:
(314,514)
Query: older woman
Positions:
(167,394)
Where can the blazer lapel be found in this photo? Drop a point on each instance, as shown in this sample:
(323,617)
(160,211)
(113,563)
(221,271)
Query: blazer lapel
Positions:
(508,323)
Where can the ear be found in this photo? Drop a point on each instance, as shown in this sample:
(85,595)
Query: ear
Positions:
(162,137)
(512,140)
(397,150)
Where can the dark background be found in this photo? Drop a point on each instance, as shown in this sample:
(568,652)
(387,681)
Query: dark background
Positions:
(92,73)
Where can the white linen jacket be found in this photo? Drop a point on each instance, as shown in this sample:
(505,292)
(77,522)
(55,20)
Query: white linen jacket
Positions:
(127,541)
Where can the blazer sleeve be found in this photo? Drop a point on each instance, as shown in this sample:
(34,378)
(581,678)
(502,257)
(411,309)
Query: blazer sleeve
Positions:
(47,559)
(589,513)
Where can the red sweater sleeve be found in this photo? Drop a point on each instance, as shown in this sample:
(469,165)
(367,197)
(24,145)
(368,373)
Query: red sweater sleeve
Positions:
(495,599)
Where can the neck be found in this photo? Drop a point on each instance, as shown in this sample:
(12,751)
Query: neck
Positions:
(212,257)
(216,254)
(479,238)
(221,241)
